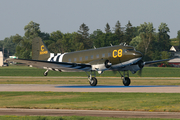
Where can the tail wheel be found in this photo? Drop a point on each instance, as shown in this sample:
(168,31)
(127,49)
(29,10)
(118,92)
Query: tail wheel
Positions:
(93,81)
(126,81)
(45,74)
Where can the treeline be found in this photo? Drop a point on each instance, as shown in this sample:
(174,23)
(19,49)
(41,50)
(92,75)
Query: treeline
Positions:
(154,45)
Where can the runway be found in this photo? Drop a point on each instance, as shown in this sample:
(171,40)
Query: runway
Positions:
(100,113)
(87,88)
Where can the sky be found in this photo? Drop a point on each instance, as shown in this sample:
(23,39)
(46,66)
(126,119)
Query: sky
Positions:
(68,15)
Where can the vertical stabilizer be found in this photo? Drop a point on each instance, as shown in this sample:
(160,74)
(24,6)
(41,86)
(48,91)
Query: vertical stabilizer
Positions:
(39,50)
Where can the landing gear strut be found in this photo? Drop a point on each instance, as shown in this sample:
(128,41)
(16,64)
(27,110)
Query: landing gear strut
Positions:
(46,73)
(92,80)
(126,80)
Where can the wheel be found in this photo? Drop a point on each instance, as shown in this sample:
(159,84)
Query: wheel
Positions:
(126,81)
(46,73)
(93,81)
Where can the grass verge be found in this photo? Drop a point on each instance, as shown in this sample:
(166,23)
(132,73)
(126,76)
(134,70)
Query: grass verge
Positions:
(147,72)
(84,80)
(96,101)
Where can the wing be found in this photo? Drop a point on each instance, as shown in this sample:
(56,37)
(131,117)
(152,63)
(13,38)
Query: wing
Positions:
(134,65)
(156,61)
(121,66)
(51,65)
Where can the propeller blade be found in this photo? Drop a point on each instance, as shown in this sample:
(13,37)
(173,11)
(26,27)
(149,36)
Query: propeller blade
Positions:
(140,73)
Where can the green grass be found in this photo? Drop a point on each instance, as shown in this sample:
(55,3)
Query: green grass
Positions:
(84,80)
(72,118)
(97,101)
(147,72)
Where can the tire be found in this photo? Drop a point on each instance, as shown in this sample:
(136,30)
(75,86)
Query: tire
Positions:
(126,81)
(45,74)
(94,81)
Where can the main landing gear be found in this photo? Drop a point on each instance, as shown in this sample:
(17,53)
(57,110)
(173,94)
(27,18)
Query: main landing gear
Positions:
(92,80)
(126,80)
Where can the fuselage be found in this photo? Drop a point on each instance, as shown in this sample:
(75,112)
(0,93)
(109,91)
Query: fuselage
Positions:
(115,54)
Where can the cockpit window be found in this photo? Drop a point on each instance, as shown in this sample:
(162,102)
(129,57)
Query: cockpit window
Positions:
(130,49)
(124,50)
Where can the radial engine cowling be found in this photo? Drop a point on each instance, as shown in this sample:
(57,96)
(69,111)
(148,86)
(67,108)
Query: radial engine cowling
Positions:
(140,64)
(134,67)
(101,65)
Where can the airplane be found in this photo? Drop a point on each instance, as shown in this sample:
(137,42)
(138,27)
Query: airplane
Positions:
(121,58)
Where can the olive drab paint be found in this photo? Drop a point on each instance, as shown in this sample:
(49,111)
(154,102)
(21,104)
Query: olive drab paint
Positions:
(39,50)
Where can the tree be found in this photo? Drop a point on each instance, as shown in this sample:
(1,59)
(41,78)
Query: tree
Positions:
(96,38)
(83,30)
(9,46)
(136,41)
(55,40)
(55,36)
(107,28)
(146,31)
(129,34)
(118,32)
(32,30)
(17,39)
(117,29)
(101,39)
(163,37)
(2,46)
(165,55)
(79,42)
(178,37)
(44,36)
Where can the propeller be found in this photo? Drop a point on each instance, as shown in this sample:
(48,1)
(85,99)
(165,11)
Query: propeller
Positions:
(141,65)
(140,72)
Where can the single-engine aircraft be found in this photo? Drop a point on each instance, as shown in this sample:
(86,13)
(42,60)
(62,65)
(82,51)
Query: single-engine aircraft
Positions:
(121,58)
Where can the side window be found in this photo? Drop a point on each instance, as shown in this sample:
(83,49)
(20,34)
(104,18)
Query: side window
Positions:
(97,56)
(92,56)
(109,54)
(80,59)
(86,58)
(69,60)
(103,55)
(75,59)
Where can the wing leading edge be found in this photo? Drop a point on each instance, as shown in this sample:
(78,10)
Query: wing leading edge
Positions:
(156,61)
(51,65)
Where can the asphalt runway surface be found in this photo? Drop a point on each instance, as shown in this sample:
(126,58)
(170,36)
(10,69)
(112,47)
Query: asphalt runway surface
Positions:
(88,88)
(100,113)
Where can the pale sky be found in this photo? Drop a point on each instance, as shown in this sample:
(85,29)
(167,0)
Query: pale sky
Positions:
(68,15)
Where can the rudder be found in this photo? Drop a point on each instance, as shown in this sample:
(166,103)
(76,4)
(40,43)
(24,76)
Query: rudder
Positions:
(39,50)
